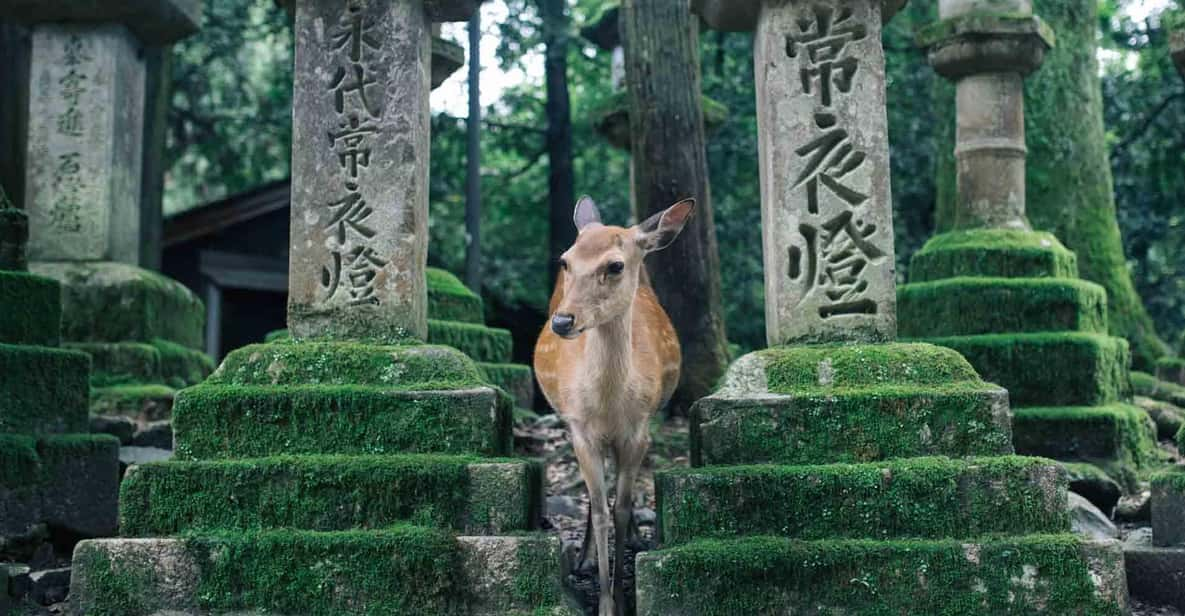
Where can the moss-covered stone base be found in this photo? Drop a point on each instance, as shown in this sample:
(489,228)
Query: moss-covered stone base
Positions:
(1155,574)
(68,481)
(516,379)
(1041,574)
(999,253)
(450,300)
(1117,434)
(919,497)
(401,570)
(32,309)
(158,361)
(483,344)
(1168,508)
(1051,368)
(1145,384)
(141,402)
(969,306)
(42,390)
(1171,369)
(116,302)
(468,494)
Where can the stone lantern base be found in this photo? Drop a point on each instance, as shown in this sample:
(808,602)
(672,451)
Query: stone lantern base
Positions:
(1011,302)
(867,479)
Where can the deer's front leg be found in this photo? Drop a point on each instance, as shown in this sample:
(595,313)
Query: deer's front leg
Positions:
(592,468)
(630,455)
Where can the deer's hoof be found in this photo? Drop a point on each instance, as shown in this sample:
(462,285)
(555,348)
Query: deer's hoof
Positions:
(608,608)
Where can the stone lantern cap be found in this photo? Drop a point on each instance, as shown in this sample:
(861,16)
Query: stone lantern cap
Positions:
(1177,49)
(155,22)
(603,31)
(438,10)
(447,57)
(980,43)
(741,15)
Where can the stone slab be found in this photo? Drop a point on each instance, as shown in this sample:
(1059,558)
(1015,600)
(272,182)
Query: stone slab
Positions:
(447,57)
(117,302)
(1039,574)
(332,493)
(86,120)
(144,403)
(826,211)
(404,570)
(450,300)
(998,253)
(979,305)
(42,390)
(1117,433)
(1168,508)
(32,309)
(1155,574)
(518,381)
(154,21)
(920,498)
(73,488)
(483,344)
(361,124)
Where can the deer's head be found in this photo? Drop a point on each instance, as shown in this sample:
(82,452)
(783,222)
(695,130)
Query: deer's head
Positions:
(600,273)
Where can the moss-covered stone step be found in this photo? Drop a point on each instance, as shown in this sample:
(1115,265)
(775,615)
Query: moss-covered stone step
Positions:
(518,381)
(1116,433)
(236,421)
(968,306)
(483,344)
(43,390)
(32,309)
(398,367)
(1168,508)
(851,425)
(139,401)
(116,302)
(158,361)
(465,493)
(1171,369)
(1059,575)
(1144,384)
(68,481)
(450,300)
(401,570)
(1052,368)
(916,498)
(1000,253)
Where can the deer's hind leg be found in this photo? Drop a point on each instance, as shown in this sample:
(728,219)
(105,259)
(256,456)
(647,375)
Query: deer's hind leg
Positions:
(629,456)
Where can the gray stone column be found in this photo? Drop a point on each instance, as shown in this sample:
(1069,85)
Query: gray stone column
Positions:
(360,170)
(988,54)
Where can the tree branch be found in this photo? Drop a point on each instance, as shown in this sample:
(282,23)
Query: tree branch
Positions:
(1145,124)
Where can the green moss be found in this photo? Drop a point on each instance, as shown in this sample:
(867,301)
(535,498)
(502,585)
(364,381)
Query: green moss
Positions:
(484,344)
(985,23)
(969,306)
(115,302)
(220,421)
(450,300)
(536,583)
(999,253)
(14,235)
(120,363)
(466,493)
(516,379)
(122,587)
(29,461)
(1172,480)
(44,390)
(915,498)
(1171,369)
(32,308)
(404,368)
(1050,369)
(820,368)
(767,576)
(1118,434)
(18,460)
(277,336)
(182,366)
(851,425)
(137,399)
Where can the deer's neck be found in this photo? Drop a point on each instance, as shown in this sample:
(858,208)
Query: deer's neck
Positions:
(609,350)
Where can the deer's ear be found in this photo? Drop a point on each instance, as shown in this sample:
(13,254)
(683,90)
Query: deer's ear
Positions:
(586,213)
(658,231)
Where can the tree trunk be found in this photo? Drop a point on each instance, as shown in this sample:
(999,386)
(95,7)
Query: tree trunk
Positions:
(1068,176)
(473,160)
(670,163)
(560,182)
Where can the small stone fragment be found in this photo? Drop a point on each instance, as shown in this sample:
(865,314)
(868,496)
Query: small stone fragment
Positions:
(1135,508)
(1086,519)
(50,586)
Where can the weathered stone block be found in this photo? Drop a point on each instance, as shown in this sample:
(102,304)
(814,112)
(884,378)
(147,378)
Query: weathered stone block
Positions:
(1171,369)
(1168,508)
(462,493)
(154,21)
(86,123)
(14,236)
(518,381)
(44,390)
(139,401)
(1037,574)
(1116,433)
(447,57)
(402,570)
(120,363)
(115,302)
(1155,574)
(998,253)
(32,309)
(1094,484)
(450,300)
(1050,368)
(69,482)
(922,497)
(975,305)
(231,421)
(484,344)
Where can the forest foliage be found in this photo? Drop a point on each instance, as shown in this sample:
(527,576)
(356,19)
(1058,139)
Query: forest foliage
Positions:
(230,127)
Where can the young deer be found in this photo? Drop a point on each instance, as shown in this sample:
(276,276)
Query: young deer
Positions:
(608,382)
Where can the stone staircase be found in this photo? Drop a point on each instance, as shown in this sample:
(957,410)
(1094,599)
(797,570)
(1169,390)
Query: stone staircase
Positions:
(331,478)
(867,479)
(1011,302)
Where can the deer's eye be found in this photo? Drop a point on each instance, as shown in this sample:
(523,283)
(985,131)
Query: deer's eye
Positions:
(615,267)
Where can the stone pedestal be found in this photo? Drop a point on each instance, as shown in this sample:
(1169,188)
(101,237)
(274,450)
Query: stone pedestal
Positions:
(1008,298)
(848,472)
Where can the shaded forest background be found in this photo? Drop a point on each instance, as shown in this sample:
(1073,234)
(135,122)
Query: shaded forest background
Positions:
(230,125)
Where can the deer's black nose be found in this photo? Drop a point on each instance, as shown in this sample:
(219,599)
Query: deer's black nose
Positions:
(562,324)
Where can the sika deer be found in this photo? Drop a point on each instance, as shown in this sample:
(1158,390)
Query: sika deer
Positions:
(608,382)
